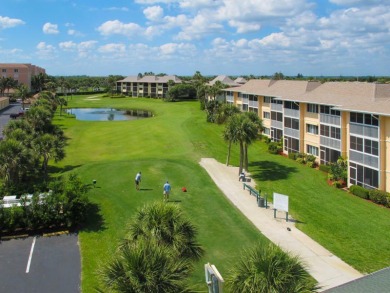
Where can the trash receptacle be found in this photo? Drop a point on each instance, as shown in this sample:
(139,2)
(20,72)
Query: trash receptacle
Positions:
(261,202)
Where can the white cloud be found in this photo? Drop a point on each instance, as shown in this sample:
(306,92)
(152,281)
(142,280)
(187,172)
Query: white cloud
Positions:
(112,48)
(153,13)
(112,27)
(155,1)
(6,22)
(199,26)
(73,32)
(50,28)
(45,51)
(67,46)
(244,27)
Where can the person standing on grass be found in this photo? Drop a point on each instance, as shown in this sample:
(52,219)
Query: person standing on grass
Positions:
(167,190)
(137,180)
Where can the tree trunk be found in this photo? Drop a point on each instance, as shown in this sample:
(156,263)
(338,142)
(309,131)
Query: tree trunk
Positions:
(228,155)
(246,164)
(241,158)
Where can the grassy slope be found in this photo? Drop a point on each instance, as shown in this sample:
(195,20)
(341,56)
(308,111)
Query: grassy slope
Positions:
(169,146)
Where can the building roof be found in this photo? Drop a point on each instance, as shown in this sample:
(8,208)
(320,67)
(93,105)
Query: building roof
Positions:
(225,80)
(344,96)
(240,80)
(376,282)
(151,79)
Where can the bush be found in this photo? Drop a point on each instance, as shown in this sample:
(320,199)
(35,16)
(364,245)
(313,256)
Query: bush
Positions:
(359,191)
(379,196)
(300,160)
(337,184)
(311,164)
(310,158)
(274,148)
(292,156)
(324,168)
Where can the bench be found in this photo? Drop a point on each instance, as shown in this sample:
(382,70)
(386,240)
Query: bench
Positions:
(261,201)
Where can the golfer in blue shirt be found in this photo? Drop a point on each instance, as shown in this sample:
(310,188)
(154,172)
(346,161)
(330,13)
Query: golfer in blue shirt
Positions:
(167,189)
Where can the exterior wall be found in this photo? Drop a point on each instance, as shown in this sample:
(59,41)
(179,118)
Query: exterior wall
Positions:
(4,102)
(143,89)
(310,138)
(385,154)
(22,73)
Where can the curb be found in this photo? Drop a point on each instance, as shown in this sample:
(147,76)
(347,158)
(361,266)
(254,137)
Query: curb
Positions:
(55,233)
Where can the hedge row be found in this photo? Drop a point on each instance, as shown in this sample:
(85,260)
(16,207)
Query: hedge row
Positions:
(376,196)
(66,205)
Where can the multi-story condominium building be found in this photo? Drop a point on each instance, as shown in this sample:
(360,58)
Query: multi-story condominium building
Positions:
(329,120)
(22,73)
(146,86)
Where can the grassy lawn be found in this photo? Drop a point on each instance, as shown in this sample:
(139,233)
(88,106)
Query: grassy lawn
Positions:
(169,146)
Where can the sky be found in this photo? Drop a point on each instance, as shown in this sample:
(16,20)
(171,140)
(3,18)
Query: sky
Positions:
(214,37)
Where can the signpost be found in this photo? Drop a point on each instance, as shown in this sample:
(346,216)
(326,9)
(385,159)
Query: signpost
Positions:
(281,203)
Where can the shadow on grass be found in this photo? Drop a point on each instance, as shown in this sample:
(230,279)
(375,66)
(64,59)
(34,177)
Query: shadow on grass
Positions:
(270,171)
(94,221)
(145,189)
(57,170)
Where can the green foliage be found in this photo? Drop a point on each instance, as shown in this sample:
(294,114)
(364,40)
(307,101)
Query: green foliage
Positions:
(337,184)
(300,160)
(181,92)
(66,205)
(310,158)
(274,147)
(359,191)
(339,170)
(311,164)
(292,156)
(324,168)
(269,269)
(379,197)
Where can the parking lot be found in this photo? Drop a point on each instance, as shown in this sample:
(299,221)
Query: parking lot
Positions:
(40,264)
(14,108)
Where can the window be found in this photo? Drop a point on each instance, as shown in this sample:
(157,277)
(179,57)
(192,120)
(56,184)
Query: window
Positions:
(356,143)
(312,108)
(312,150)
(328,155)
(277,116)
(371,147)
(266,115)
(330,131)
(4,70)
(267,99)
(291,123)
(276,134)
(273,101)
(361,118)
(266,131)
(311,128)
(291,145)
(291,105)
(16,70)
(245,107)
(363,176)
(328,110)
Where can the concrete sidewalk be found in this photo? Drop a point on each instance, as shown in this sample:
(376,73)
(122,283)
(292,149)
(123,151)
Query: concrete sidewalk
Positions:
(326,268)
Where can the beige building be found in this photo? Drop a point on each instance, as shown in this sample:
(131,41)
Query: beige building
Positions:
(329,120)
(147,86)
(22,73)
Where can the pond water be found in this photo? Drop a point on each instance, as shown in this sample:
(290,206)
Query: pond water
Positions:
(107,114)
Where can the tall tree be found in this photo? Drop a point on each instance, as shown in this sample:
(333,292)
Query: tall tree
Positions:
(230,134)
(252,135)
(269,269)
(22,92)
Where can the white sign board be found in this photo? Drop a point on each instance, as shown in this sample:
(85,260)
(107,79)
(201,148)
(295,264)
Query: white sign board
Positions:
(280,202)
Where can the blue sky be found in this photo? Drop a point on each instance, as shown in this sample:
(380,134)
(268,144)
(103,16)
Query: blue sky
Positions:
(233,37)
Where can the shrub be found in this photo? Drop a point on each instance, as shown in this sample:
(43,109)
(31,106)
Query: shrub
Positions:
(310,158)
(359,191)
(300,160)
(292,156)
(311,164)
(379,196)
(274,148)
(336,184)
(324,168)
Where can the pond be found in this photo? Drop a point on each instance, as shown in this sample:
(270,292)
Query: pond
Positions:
(107,114)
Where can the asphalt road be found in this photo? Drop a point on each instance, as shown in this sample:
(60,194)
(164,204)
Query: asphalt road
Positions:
(4,115)
(40,264)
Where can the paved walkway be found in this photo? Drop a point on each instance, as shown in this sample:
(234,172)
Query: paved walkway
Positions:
(326,268)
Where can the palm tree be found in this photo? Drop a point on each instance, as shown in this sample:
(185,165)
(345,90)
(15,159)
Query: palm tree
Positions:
(229,134)
(145,266)
(166,224)
(10,161)
(252,135)
(22,92)
(269,269)
(38,81)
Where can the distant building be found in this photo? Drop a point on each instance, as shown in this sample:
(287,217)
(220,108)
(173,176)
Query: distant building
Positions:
(22,73)
(226,81)
(147,86)
(240,80)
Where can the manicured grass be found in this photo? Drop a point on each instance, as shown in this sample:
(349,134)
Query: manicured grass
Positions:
(165,147)
(169,146)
